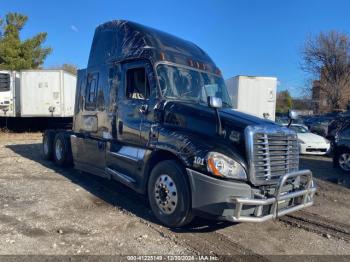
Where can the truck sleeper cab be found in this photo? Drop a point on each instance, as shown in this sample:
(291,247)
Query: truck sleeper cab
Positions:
(152,112)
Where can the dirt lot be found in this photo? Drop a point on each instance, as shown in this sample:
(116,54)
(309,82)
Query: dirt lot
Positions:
(48,210)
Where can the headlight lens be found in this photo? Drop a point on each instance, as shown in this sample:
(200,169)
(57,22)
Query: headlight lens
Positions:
(223,166)
(326,140)
(301,141)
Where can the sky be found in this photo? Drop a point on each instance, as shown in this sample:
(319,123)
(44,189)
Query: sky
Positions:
(243,37)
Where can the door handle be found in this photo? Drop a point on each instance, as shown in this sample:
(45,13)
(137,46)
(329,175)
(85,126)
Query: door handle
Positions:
(144,109)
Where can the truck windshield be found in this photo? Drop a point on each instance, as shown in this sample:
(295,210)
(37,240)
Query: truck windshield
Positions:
(191,85)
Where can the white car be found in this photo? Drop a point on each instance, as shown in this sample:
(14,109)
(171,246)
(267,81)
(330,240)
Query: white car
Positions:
(309,143)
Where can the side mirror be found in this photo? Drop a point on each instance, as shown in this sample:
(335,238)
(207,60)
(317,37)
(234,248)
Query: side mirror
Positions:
(292,115)
(214,102)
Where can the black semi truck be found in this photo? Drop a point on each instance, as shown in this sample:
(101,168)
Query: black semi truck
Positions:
(152,112)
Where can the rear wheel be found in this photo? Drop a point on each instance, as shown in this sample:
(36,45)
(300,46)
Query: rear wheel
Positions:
(62,152)
(169,194)
(47,145)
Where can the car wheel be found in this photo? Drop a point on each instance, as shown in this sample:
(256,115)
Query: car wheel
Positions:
(47,144)
(343,160)
(169,194)
(62,153)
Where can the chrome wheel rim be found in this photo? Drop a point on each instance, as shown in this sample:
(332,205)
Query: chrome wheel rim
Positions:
(46,146)
(165,193)
(344,161)
(59,149)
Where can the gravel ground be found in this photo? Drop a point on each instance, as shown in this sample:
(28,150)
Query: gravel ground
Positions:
(333,197)
(50,211)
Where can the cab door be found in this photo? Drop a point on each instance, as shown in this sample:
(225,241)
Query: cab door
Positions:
(126,152)
(132,102)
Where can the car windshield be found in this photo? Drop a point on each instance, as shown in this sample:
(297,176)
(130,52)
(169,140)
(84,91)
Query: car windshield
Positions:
(191,85)
(299,129)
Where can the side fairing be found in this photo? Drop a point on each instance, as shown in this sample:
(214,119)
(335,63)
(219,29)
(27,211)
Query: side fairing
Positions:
(98,120)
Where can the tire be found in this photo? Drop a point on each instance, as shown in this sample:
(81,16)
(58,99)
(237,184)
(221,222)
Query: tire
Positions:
(169,194)
(342,160)
(62,151)
(47,145)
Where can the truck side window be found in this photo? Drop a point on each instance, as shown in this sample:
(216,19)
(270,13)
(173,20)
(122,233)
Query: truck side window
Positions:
(91,91)
(137,86)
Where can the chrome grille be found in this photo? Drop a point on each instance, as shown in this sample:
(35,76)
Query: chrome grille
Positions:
(272,152)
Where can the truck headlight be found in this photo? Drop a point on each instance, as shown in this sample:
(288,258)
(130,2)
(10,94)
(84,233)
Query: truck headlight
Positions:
(223,166)
(301,141)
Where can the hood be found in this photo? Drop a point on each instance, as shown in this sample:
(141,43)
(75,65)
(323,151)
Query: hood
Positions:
(310,138)
(201,119)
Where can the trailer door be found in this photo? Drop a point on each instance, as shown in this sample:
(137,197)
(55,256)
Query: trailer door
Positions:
(41,93)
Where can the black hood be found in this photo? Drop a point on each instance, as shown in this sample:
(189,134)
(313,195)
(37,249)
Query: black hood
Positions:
(200,118)
(239,119)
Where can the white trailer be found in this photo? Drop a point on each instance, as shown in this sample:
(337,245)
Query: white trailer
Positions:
(254,95)
(38,93)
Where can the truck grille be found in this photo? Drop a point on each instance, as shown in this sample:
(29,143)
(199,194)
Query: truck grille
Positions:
(272,152)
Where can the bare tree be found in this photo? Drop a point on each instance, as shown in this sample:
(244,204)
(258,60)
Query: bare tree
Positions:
(327,57)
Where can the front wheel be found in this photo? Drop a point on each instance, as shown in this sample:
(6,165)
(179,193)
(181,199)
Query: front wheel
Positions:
(169,194)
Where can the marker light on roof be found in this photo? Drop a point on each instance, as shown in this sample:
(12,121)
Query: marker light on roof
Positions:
(217,71)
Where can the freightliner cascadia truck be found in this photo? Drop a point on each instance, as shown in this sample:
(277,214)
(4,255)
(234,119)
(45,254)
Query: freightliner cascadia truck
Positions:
(152,112)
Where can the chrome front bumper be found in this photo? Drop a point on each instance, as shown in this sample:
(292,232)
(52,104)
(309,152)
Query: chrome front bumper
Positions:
(300,199)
